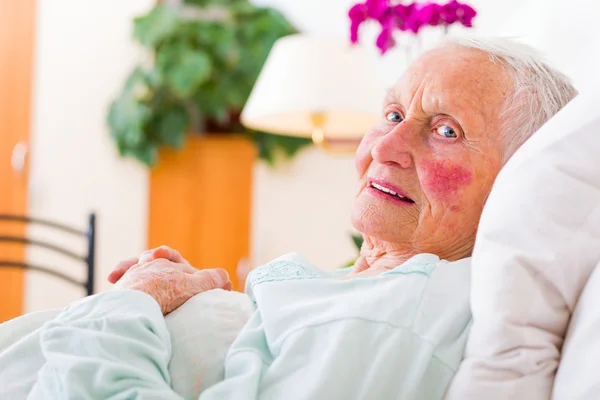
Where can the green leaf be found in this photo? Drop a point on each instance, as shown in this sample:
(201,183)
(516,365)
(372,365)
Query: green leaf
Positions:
(242,8)
(155,26)
(211,99)
(358,241)
(129,112)
(171,127)
(291,145)
(204,3)
(271,147)
(193,70)
(184,69)
(147,154)
(233,91)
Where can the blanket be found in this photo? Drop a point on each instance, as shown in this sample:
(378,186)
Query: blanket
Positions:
(199,344)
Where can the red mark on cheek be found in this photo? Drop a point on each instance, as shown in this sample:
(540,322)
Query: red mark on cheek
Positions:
(442,179)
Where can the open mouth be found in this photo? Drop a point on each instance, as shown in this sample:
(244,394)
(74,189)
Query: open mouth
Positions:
(380,188)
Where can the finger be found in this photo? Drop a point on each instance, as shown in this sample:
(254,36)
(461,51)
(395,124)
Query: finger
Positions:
(209,279)
(120,269)
(228,286)
(161,263)
(146,256)
(168,253)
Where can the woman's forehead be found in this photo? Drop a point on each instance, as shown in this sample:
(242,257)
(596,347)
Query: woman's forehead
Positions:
(453,79)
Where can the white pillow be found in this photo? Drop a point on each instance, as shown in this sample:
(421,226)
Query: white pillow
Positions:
(537,244)
(577,376)
(202,331)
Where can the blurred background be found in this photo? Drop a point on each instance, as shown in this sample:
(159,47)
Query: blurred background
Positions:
(121,123)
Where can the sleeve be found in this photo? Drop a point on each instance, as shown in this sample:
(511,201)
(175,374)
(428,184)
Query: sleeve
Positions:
(114,345)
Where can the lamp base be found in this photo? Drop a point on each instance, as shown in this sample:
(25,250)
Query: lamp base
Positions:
(330,145)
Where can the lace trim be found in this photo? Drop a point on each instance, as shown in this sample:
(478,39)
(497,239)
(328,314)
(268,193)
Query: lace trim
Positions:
(280,271)
(425,269)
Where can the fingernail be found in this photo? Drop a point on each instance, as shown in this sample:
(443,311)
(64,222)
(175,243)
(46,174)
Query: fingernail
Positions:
(219,276)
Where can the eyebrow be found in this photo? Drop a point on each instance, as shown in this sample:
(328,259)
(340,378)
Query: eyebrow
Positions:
(391,95)
(439,107)
(395,97)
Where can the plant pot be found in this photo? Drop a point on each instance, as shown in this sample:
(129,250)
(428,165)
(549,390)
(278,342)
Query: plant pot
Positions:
(200,201)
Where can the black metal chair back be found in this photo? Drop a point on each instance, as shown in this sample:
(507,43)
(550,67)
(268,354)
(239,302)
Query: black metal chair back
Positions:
(88,259)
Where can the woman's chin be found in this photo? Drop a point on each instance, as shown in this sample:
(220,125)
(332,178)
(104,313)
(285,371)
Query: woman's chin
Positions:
(372,220)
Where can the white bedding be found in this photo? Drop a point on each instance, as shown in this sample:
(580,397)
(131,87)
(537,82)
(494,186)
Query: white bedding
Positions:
(199,343)
(15,329)
(537,245)
(20,353)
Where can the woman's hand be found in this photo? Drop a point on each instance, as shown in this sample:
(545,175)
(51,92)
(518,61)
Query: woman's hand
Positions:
(147,256)
(167,277)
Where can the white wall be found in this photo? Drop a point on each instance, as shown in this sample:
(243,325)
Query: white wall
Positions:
(83,53)
(566,32)
(305,206)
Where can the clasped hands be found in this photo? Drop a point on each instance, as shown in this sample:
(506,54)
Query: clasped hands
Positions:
(166,276)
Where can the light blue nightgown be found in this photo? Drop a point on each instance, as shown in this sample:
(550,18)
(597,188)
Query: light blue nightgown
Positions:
(314,335)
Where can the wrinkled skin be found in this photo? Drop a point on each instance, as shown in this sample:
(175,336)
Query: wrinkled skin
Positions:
(439,144)
(166,276)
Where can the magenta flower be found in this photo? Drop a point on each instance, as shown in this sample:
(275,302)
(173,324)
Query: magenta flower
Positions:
(449,12)
(377,8)
(402,14)
(458,12)
(421,16)
(407,17)
(359,13)
(465,15)
(431,14)
(385,40)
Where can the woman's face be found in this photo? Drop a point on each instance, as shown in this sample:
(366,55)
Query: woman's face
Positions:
(428,165)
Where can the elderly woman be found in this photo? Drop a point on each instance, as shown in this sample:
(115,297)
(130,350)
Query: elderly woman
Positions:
(394,325)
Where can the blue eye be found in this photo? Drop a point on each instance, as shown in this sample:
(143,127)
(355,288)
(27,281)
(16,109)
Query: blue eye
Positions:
(394,116)
(446,132)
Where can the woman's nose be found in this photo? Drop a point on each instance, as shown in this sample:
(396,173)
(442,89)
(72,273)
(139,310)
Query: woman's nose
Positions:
(394,147)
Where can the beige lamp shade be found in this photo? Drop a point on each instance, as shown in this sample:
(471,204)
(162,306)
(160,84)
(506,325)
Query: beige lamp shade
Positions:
(315,86)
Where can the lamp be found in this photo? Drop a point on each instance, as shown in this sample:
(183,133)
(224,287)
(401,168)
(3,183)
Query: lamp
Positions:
(316,87)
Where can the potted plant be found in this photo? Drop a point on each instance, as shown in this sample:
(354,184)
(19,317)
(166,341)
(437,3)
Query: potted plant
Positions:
(182,105)
(203,58)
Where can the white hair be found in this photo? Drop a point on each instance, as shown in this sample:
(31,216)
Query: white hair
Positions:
(540,91)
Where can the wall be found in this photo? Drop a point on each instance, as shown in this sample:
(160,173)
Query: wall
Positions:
(83,54)
(304,206)
(566,34)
